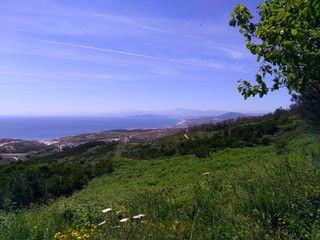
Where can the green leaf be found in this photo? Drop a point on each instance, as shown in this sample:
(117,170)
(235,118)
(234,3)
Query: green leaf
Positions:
(258,58)
(241,7)
(294,32)
(287,43)
(254,50)
(232,22)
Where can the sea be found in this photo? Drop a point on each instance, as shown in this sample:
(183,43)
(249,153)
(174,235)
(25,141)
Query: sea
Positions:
(48,127)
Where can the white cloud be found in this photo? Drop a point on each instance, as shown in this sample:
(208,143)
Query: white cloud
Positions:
(189,61)
(52,19)
(59,78)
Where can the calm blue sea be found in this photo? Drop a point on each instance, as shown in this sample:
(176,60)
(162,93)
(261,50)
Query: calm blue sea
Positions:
(41,128)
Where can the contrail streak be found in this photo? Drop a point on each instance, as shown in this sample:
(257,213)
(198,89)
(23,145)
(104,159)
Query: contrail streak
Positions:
(128,53)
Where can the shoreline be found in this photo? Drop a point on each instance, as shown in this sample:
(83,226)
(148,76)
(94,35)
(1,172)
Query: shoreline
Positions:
(124,131)
(181,122)
(39,131)
(139,135)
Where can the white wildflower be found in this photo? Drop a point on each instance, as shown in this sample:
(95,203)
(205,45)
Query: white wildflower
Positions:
(101,223)
(106,210)
(138,216)
(124,219)
(281,32)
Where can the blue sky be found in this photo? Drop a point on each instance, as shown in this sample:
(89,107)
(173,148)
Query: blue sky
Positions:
(99,56)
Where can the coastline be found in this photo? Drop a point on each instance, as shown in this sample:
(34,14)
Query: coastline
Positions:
(183,121)
(42,129)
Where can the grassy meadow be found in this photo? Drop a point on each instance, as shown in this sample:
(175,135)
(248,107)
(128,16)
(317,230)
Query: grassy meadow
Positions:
(268,190)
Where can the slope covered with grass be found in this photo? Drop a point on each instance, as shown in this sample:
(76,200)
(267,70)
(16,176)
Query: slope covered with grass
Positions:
(268,190)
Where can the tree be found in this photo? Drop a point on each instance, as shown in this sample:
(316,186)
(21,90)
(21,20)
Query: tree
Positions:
(286,40)
(308,106)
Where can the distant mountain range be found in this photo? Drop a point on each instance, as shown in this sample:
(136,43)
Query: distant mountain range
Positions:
(189,113)
(179,113)
(197,120)
(195,117)
(231,115)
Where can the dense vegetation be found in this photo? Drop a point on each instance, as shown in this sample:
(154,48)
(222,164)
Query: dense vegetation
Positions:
(25,146)
(207,138)
(47,176)
(251,189)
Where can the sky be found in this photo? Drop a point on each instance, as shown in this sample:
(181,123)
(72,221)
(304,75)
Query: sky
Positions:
(102,56)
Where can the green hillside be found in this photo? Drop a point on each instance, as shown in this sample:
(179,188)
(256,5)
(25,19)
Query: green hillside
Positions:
(253,178)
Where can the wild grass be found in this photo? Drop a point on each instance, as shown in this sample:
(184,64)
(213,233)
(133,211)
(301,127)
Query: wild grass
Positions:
(245,193)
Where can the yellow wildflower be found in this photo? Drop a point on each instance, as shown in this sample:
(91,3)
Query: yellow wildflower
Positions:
(161,226)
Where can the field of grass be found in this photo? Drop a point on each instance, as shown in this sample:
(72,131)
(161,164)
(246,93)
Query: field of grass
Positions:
(260,192)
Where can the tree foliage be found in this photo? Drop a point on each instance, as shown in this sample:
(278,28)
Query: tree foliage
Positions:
(286,40)
(41,178)
(308,106)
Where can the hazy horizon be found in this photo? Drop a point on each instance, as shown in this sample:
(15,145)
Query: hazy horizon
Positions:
(124,113)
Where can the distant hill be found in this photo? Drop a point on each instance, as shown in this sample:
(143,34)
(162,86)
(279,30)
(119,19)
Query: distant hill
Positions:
(181,112)
(231,115)
(146,116)
(198,120)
